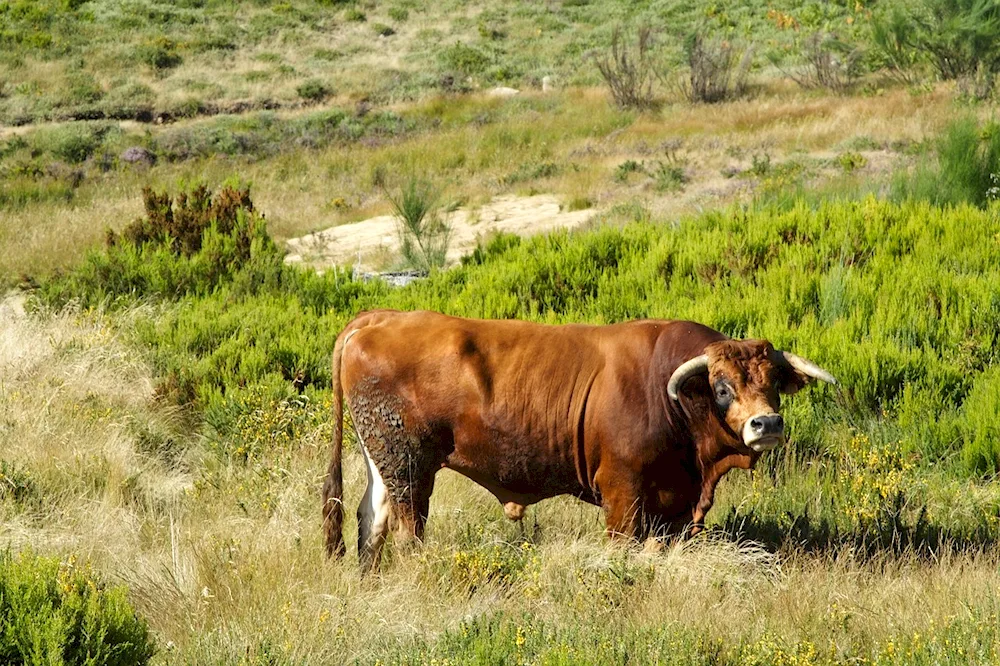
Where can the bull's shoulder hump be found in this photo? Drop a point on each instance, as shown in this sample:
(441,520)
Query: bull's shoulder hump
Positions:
(682,328)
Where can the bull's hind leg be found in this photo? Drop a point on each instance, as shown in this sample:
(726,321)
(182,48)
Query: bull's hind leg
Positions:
(413,505)
(401,458)
(373,517)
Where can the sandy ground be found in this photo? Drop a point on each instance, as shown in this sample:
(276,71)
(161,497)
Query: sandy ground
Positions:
(368,243)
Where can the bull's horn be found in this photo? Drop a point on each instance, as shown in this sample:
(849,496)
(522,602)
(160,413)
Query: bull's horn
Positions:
(696,366)
(807,367)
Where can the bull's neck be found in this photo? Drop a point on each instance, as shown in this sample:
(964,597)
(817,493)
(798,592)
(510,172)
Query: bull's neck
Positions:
(716,457)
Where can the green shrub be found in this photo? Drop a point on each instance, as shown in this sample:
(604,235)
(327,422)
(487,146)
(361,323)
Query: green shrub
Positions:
(423,235)
(669,176)
(383,30)
(966,167)
(464,59)
(73,142)
(399,14)
(55,613)
(532,171)
(959,38)
(851,161)
(760,165)
(313,90)
(189,244)
(160,54)
(627,168)
(355,14)
(892,48)
(899,301)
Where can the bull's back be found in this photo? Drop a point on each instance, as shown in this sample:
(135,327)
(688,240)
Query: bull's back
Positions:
(449,364)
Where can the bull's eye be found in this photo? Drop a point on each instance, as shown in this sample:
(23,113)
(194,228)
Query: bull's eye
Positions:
(723,394)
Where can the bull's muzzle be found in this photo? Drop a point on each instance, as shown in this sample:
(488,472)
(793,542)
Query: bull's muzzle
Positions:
(763,432)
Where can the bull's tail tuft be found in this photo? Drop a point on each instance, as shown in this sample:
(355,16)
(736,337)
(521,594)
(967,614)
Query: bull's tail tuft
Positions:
(333,487)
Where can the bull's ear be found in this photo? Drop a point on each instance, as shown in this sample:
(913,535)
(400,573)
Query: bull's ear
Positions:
(795,372)
(685,371)
(790,381)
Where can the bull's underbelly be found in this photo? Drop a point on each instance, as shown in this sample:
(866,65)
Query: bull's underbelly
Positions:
(517,469)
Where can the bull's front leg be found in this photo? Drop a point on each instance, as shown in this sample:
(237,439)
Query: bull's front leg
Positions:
(710,480)
(622,502)
(705,502)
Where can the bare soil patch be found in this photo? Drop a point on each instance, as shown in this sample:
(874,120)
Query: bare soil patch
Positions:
(373,243)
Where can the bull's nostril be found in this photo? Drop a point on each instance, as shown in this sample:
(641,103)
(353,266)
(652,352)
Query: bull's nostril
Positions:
(779,423)
(756,425)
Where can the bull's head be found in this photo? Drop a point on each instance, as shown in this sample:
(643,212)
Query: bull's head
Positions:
(745,378)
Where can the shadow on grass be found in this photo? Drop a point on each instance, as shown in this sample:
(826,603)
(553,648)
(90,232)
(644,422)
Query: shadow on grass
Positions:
(889,534)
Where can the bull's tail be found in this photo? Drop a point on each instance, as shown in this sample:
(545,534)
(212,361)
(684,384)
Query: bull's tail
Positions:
(333,487)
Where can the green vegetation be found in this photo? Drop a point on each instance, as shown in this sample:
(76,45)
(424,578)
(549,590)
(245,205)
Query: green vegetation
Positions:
(54,613)
(892,299)
(85,60)
(958,38)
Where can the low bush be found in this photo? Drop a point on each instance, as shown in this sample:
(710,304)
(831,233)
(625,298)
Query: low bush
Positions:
(669,176)
(159,54)
(718,69)
(464,59)
(629,73)
(184,245)
(55,612)
(828,62)
(355,14)
(313,90)
(627,168)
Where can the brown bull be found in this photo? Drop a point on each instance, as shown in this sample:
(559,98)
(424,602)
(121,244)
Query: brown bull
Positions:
(641,418)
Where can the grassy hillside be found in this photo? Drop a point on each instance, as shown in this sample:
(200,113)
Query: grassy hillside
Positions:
(146,59)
